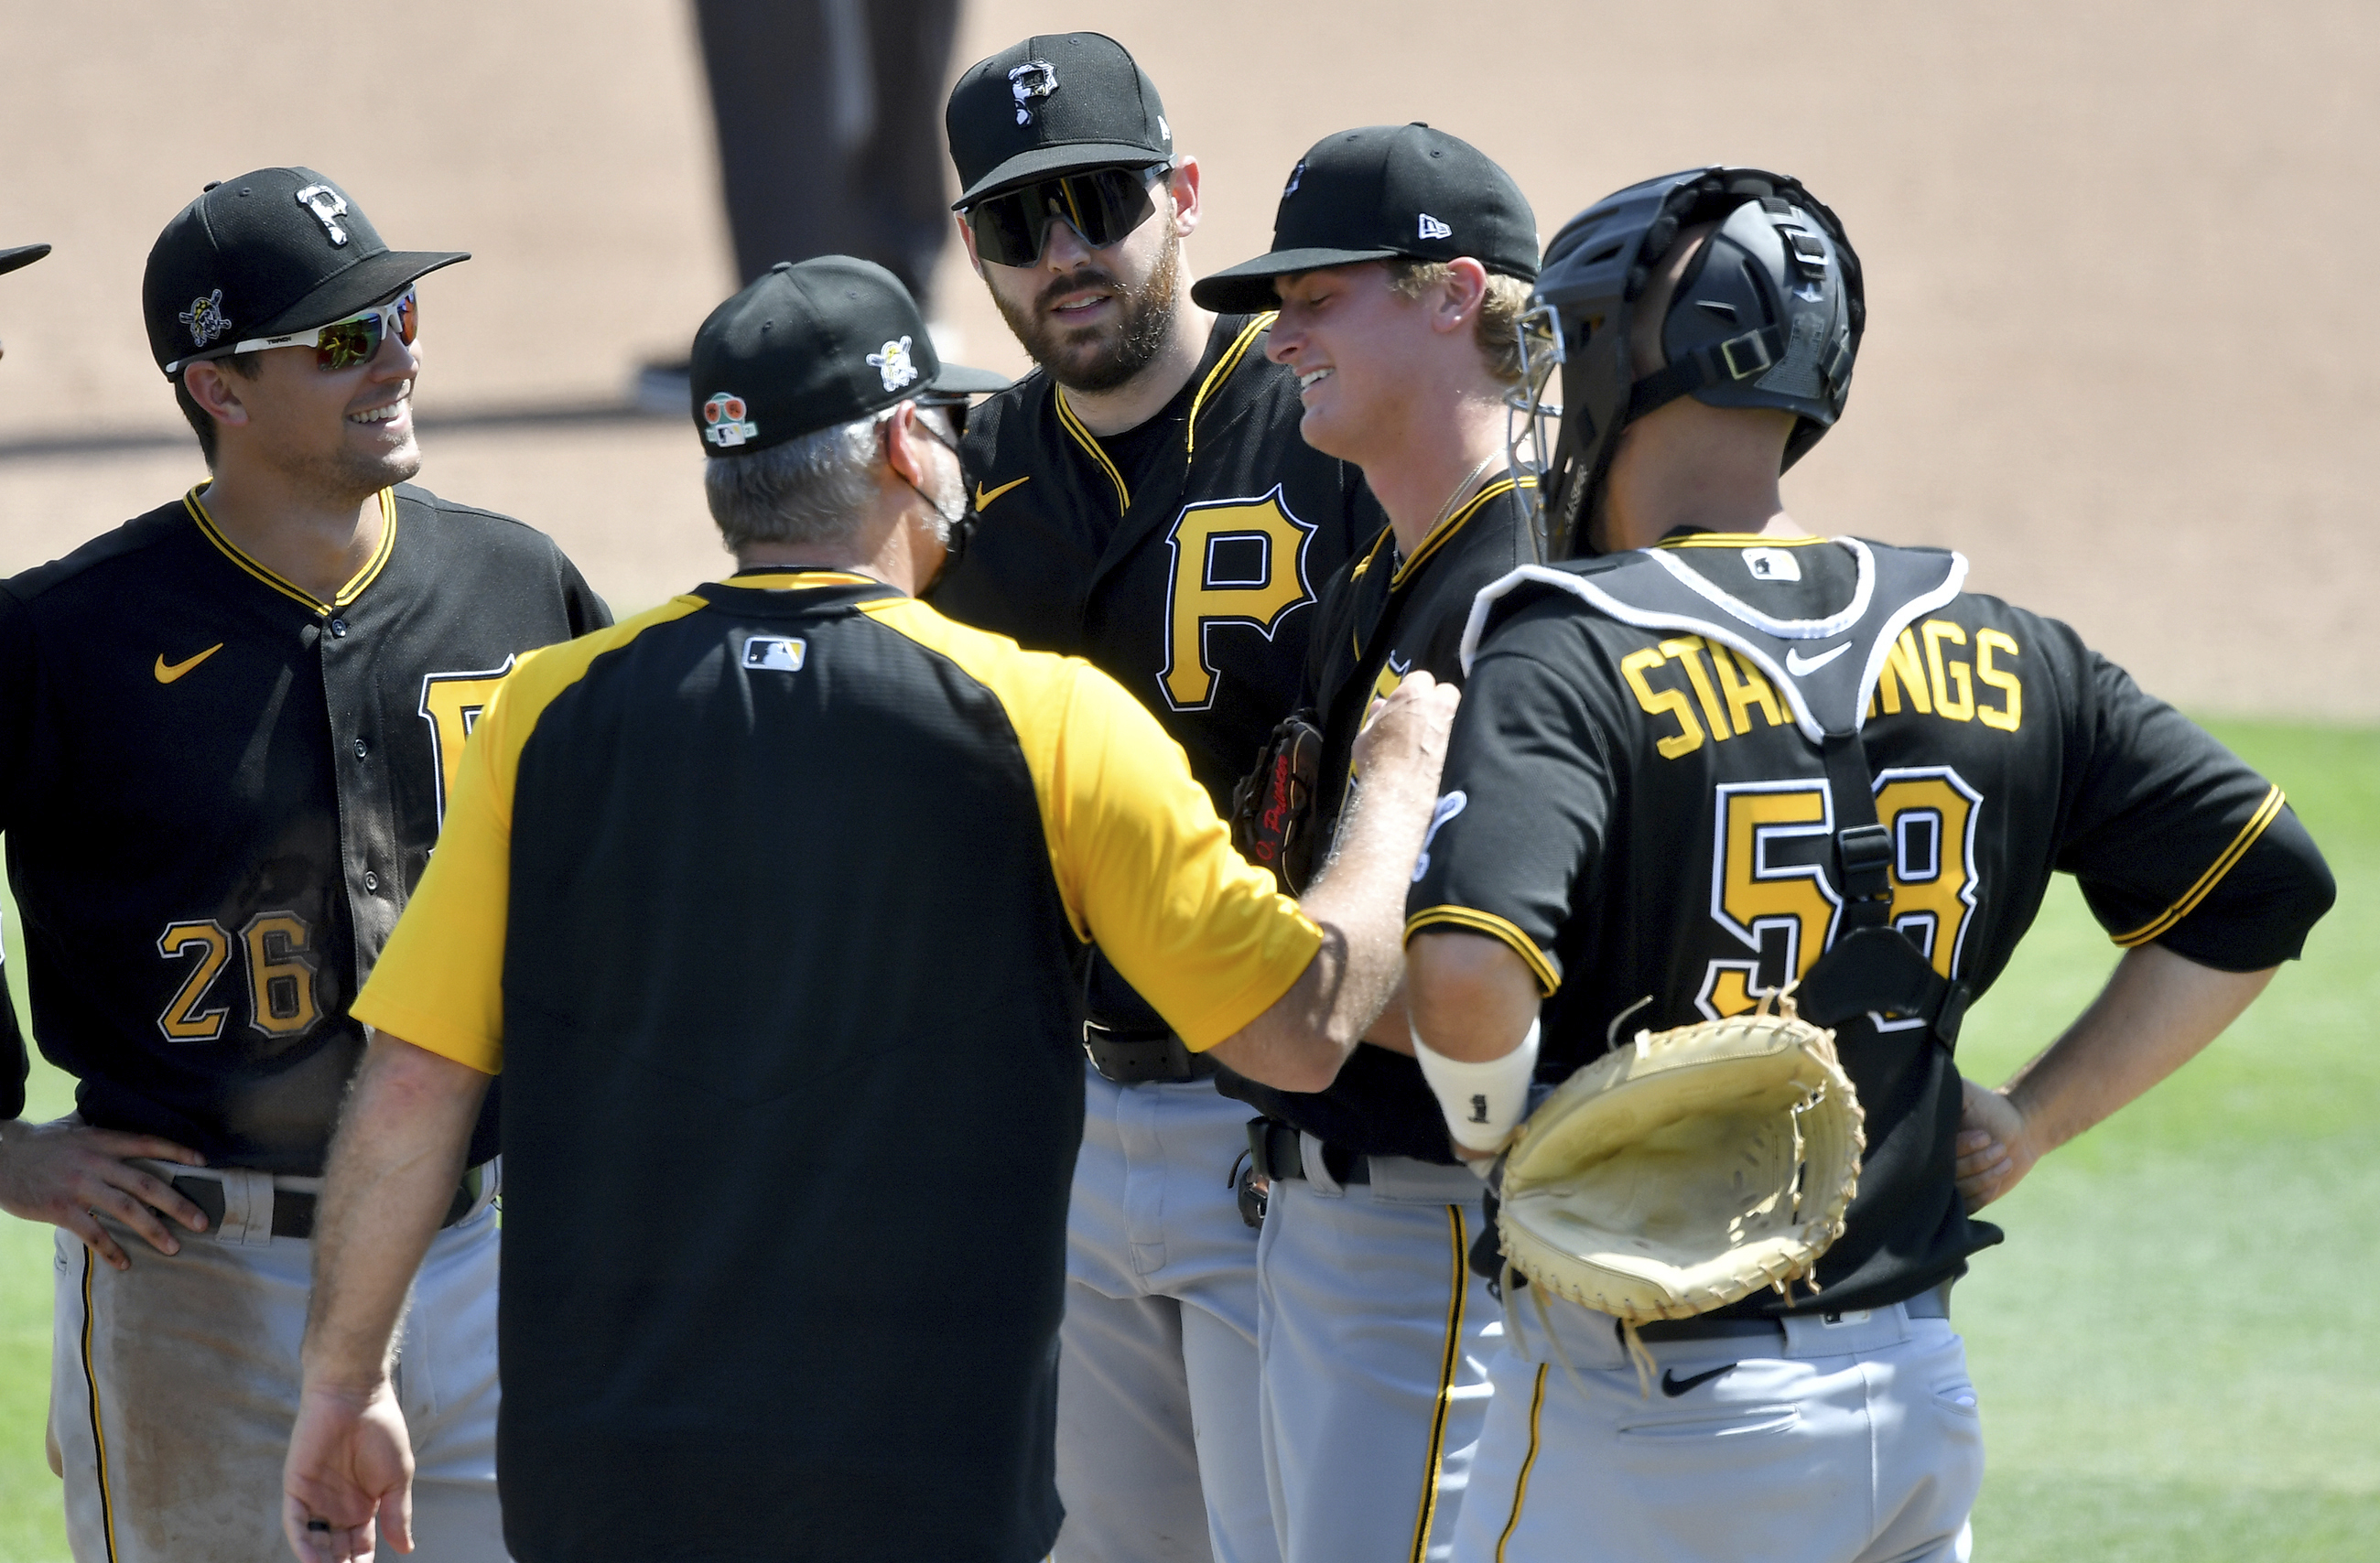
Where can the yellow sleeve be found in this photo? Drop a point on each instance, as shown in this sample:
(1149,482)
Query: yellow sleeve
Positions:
(1145,867)
(1149,873)
(439,983)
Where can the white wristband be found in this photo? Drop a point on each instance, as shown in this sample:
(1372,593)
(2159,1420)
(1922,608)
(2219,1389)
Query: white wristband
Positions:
(1483,1102)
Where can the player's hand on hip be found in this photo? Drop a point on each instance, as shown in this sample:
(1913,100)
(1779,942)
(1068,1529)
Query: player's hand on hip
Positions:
(1993,1148)
(1405,734)
(69,1174)
(350,1464)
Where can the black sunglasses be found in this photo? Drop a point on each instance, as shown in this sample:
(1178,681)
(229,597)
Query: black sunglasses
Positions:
(1100,204)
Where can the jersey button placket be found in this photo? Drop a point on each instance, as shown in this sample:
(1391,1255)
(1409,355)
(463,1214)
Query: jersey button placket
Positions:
(363,750)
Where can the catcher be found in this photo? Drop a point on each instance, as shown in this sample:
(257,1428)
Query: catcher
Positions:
(1711,758)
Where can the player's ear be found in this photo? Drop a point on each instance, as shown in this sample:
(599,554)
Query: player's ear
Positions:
(215,392)
(1460,296)
(1183,185)
(966,238)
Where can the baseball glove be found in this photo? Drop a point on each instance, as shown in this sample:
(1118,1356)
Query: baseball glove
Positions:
(1272,806)
(1686,1170)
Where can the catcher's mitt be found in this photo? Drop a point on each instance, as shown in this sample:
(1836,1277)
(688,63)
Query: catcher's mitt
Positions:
(1272,806)
(1687,1170)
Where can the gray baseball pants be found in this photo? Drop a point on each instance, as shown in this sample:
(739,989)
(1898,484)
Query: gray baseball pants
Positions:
(174,1385)
(1851,1441)
(1375,1340)
(1160,1457)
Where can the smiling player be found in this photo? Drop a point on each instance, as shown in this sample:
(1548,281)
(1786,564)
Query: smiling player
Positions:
(228,732)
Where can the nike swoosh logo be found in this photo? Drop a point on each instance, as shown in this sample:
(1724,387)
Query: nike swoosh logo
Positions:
(167,673)
(984,496)
(1673,1387)
(1802,667)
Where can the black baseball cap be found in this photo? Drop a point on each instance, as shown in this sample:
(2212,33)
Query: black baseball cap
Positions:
(1383,191)
(1047,106)
(270,252)
(812,344)
(21,255)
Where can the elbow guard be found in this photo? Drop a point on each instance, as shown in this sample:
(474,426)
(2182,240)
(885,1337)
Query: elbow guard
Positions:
(1483,1102)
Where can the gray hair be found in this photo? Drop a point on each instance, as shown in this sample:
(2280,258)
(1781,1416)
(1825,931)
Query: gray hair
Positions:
(816,488)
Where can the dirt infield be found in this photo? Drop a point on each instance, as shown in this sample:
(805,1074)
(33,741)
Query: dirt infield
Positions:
(2122,334)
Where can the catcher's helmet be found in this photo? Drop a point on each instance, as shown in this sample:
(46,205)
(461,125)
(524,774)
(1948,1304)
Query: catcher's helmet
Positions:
(1768,314)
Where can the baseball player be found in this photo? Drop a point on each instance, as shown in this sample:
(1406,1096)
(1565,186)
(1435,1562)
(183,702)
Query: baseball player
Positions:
(1718,755)
(1148,505)
(12,1039)
(1402,258)
(227,730)
(696,899)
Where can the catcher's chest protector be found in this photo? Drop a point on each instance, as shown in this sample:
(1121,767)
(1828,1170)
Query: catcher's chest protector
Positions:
(1894,1014)
(1827,670)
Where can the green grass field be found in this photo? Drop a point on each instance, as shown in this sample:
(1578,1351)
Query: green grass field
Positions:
(2178,1348)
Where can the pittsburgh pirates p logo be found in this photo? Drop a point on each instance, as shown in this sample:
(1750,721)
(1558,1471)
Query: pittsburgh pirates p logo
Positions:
(1235,562)
(450,704)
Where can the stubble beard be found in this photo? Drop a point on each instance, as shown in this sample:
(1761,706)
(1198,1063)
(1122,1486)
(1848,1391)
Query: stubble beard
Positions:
(1101,358)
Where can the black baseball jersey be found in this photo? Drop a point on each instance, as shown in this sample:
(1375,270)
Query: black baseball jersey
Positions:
(1383,617)
(1635,802)
(218,792)
(787,881)
(1182,558)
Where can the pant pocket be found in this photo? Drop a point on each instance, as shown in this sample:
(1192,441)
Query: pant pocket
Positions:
(1735,1422)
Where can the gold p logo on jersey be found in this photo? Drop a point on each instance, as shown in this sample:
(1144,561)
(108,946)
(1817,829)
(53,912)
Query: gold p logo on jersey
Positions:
(450,704)
(1235,562)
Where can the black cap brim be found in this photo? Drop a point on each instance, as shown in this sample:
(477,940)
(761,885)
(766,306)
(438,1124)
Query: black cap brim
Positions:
(1246,288)
(1048,162)
(22,255)
(957,380)
(359,286)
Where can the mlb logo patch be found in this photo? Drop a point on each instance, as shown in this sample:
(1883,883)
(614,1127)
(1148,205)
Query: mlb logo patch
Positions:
(776,653)
(1772,564)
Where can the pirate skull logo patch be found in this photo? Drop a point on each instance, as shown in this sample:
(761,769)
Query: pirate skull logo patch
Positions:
(206,318)
(895,364)
(726,425)
(1033,79)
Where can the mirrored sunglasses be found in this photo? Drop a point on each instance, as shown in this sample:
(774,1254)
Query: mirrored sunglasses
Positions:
(1100,204)
(343,343)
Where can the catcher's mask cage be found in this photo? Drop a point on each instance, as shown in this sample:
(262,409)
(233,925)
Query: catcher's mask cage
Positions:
(1768,314)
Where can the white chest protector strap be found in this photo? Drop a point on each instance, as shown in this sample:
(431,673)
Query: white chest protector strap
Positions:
(1827,670)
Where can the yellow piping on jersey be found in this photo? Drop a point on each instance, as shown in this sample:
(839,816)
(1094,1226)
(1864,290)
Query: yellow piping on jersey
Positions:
(347,593)
(1453,524)
(1738,540)
(1488,923)
(1450,1358)
(1521,1487)
(1083,437)
(2266,812)
(1388,535)
(1222,371)
(794,577)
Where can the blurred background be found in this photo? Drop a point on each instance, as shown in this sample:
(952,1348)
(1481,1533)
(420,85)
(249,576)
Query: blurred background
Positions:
(2123,351)
(2120,349)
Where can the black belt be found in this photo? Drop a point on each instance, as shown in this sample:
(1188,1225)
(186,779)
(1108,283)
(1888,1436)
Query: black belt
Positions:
(293,1209)
(1934,1304)
(1139,1058)
(1277,1151)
